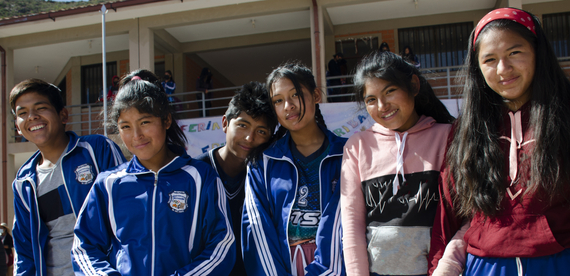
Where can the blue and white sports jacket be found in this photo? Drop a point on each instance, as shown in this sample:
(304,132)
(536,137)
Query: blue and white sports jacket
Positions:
(172,222)
(84,159)
(271,187)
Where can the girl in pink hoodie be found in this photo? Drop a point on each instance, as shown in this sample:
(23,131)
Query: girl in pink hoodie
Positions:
(389,176)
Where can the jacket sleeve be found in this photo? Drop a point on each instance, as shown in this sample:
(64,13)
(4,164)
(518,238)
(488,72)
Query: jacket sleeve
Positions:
(219,254)
(109,155)
(353,214)
(263,252)
(446,223)
(92,240)
(328,256)
(453,260)
(24,260)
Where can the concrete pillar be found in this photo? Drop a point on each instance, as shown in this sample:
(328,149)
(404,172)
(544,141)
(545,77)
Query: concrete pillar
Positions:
(515,4)
(76,93)
(318,46)
(178,72)
(134,62)
(146,48)
(5,188)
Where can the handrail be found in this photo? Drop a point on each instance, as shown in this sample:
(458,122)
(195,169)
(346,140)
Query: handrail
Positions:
(434,75)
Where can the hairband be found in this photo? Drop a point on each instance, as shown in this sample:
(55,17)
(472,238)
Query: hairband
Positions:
(136,78)
(516,15)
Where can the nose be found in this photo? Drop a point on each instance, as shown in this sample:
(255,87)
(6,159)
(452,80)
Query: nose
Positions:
(383,105)
(250,136)
(138,133)
(289,105)
(504,66)
(32,115)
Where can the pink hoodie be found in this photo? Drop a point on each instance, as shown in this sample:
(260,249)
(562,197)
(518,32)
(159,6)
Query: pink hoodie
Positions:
(387,221)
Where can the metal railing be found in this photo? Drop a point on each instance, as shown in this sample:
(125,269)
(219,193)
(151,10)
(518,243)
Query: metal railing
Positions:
(442,80)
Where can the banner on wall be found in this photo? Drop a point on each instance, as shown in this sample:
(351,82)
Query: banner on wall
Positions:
(343,119)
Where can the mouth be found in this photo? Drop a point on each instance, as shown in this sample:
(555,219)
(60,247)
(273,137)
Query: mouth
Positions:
(37,127)
(508,81)
(140,146)
(292,116)
(389,115)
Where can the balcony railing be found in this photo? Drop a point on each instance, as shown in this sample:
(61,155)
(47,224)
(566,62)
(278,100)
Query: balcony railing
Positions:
(87,119)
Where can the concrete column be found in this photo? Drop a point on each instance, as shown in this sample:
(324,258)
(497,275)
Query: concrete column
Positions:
(134,62)
(515,4)
(146,48)
(76,93)
(318,46)
(178,72)
(5,189)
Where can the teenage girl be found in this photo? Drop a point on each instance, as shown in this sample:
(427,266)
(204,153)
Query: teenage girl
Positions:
(508,165)
(390,172)
(162,213)
(291,216)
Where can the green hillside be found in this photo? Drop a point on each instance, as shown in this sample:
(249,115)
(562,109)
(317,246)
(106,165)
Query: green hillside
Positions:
(9,8)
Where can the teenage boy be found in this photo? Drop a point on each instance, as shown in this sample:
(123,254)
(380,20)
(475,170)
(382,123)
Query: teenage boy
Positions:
(249,122)
(50,187)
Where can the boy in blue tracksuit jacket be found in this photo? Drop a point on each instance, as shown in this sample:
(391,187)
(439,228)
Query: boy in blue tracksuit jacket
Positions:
(267,208)
(40,117)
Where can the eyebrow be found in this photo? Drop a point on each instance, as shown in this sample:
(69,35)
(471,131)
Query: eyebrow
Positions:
(137,120)
(382,90)
(508,49)
(18,108)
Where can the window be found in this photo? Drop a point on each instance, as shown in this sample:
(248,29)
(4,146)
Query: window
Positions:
(92,82)
(557,29)
(439,45)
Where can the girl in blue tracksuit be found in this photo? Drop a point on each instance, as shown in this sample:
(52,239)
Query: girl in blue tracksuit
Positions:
(291,214)
(162,213)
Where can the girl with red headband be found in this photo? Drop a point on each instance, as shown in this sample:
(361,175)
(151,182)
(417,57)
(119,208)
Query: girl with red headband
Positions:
(508,164)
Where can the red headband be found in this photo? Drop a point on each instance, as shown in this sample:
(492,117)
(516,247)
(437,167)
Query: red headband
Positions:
(516,15)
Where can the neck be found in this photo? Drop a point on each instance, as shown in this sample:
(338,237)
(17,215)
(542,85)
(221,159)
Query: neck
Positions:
(159,160)
(53,151)
(229,163)
(309,139)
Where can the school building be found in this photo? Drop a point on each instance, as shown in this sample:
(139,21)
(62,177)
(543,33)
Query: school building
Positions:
(238,40)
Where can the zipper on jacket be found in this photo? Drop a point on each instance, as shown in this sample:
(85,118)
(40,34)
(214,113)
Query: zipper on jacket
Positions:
(153,217)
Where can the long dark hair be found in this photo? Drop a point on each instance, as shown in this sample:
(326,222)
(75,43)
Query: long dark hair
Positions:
(205,76)
(475,159)
(146,95)
(300,76)
(394,69)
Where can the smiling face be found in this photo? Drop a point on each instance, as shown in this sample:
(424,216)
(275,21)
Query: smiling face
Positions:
(389,105)
(287,104)
(244,133)
(507,62)
(144,135)
(38,121)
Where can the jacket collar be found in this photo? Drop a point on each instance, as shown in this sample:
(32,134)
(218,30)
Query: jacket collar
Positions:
(135,166)
(280,149)
(28,169)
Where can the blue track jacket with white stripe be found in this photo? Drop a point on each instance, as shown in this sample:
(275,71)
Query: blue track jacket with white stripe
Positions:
(271,187)
(172,222)
(84,159)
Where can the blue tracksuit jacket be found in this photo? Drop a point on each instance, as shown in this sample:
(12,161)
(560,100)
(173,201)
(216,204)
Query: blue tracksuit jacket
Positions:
(271,188)
(85,158)
(172,222)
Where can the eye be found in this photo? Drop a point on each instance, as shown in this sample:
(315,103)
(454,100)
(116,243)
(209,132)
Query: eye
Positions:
(370,100)
(262,132)
(488,60)
(390,90)
(22,114)
(277,101)
(145,122)
(241,125)
(124,127)
(515,52)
